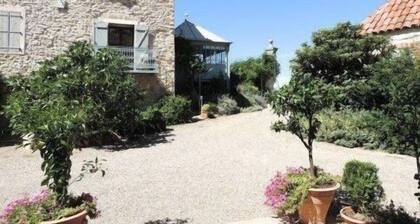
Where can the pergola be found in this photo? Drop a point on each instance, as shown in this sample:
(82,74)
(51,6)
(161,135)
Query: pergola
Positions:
(211,48)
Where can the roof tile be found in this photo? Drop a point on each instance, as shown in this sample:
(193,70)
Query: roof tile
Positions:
(394,15)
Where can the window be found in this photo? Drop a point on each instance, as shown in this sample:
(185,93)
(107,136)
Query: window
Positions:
(121,35)
(11,30)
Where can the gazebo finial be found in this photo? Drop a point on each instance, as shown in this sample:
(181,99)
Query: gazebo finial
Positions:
(187,16)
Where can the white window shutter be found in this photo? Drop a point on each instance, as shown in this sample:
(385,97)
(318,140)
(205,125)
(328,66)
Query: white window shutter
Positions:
(141,36)
(101,34)
(4,27)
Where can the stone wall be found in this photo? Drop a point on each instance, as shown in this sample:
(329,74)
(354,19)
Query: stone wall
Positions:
(407,39)
(50,30)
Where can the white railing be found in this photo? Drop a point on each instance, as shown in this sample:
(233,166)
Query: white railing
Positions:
(139,60)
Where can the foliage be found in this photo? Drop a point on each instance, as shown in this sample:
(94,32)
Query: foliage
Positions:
(357,128)
(404,110)
(151,120)
(78,94)
(342,56)
(362,186)
(249,98)
(256,71)
(43,207)
(391,214)
(4,123)
(210,109)
(287,191)
(227,106)
(300,102)
(190,65)
(175,109)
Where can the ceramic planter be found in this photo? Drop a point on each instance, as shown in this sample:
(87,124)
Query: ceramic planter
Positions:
(79,218)
(204,115)
(315,207)
(348,219)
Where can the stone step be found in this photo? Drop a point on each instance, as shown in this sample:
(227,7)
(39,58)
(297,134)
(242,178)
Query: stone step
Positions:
(260,221)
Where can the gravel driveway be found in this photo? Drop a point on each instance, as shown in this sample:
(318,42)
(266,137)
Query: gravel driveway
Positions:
(209,172)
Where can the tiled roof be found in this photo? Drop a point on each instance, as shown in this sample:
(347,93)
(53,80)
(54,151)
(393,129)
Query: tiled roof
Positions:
(394,15)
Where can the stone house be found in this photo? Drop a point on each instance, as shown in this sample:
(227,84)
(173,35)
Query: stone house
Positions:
(400,21)
(142,30)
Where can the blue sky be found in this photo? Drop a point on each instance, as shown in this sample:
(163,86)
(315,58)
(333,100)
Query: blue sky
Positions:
(250,23)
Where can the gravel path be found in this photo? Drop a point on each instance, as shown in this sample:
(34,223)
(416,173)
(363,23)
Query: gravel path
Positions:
(209,172)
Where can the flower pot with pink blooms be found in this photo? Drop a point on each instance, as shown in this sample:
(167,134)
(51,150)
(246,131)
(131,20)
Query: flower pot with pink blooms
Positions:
(42,208)
(306,193)
(296,196)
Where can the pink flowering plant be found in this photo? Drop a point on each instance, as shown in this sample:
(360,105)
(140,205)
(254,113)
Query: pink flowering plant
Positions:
(287,191)
(43,207)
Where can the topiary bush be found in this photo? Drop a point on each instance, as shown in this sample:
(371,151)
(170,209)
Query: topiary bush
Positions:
(227,106)
(176,109)
(363,187)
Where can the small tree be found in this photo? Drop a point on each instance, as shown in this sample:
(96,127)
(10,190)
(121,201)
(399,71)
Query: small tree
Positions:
(404,109)
(77,94)
(298,103)
(342,56)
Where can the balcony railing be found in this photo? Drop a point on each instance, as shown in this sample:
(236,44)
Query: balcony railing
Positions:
(140,60)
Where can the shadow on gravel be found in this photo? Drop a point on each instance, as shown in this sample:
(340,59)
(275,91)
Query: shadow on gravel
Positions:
(143,142)
(168,221)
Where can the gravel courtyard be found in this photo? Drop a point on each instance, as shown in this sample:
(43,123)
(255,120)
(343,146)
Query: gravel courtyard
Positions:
(209,172)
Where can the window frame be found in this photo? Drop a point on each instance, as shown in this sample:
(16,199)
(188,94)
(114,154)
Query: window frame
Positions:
(9,10)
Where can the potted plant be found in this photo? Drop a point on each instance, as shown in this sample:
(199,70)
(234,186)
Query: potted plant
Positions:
(43,206)
(208,111)
(363,189)
(58,106)
(298,104)
(287,191)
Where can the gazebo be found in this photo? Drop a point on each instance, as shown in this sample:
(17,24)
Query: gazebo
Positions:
(212,49)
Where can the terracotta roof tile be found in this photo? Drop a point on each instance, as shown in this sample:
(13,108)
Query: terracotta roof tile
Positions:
(394,15)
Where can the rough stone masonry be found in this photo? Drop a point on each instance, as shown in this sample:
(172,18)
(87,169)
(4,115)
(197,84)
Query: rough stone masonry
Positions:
(48,30)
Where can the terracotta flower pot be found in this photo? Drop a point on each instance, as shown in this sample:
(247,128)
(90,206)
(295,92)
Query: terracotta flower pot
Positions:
(204,115)
(348,219)
(315,207)
(79,218)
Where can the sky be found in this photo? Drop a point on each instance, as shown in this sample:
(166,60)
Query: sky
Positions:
(249,24)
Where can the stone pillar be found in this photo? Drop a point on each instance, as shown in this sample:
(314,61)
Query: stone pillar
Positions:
(271,50)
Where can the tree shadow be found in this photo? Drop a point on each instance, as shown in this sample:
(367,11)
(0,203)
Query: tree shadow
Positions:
(143,141)
(168,221)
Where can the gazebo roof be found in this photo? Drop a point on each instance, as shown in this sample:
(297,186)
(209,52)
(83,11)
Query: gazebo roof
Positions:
(193,32)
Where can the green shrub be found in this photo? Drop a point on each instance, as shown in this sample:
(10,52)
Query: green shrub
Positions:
(78,94)
(150,121)
(362,186)
(227,106)
(351,129)
(391,214)
(249,96)
(210,109)
(176,109)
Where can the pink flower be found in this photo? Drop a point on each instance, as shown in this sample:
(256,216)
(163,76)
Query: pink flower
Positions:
(295,170)
(275,196)
(25,201)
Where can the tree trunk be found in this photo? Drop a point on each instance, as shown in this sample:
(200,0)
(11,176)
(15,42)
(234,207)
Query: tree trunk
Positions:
(311,162)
